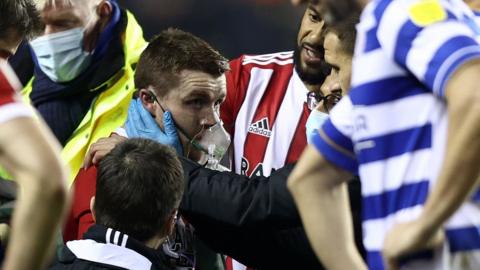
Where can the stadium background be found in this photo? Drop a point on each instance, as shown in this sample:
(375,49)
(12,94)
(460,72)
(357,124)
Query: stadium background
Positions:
(233,27)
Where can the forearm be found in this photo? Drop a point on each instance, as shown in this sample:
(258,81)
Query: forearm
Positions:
(316,184)
(35,225)
(460,172)
(32,157)
(238,200)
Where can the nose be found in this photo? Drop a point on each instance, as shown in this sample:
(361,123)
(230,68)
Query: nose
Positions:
(330,84)
(211,117)
(49,29)
(316,34)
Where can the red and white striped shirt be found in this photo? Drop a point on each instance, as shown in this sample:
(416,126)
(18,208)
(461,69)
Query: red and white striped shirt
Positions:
(265,112)
(11,105)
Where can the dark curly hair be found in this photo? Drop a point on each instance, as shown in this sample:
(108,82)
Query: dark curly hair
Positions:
(19,18)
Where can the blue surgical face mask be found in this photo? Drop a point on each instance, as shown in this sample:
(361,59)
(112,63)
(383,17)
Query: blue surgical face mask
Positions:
(314,122)
(60,55)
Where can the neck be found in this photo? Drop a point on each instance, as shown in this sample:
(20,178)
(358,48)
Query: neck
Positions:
(92,39)
(155,242)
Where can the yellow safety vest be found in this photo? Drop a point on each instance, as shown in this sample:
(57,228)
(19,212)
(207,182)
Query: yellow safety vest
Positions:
(109,110)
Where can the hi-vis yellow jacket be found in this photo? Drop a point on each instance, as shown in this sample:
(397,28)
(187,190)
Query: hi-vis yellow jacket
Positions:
(109,110)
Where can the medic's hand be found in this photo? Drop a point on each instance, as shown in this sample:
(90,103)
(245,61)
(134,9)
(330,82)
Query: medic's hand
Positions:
(141,124)
(407,238)
(100,149)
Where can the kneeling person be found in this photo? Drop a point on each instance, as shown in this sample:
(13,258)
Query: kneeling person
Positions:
(138,190)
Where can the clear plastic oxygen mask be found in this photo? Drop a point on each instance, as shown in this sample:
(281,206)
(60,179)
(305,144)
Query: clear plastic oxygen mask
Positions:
(213,143)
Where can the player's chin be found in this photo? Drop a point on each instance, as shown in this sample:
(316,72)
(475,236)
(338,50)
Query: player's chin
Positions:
(311,74)
(195,154)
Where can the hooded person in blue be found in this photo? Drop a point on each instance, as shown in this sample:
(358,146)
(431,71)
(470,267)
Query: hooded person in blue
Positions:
(76,39)
(83,60)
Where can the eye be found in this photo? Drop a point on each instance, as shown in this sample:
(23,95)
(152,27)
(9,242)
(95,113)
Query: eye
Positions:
(64,24)
(196,103)
(335,70)
(326,68)
(313,17)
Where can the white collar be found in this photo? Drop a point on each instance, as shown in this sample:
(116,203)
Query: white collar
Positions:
(109,254)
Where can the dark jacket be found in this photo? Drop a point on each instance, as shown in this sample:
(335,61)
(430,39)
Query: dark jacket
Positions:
(121,252)
(254,220)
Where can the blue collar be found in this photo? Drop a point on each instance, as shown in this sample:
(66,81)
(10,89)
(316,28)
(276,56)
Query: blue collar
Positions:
(108,33)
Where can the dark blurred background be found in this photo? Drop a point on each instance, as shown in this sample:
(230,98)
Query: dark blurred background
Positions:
(233,27)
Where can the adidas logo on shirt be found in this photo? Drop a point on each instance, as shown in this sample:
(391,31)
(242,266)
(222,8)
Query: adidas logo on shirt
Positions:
(261,128)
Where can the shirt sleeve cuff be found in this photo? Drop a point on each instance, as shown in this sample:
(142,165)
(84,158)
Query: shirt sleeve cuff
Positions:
(452,64)
(334,153)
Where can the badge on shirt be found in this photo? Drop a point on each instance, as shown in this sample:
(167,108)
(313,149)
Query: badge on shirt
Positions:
(427,12)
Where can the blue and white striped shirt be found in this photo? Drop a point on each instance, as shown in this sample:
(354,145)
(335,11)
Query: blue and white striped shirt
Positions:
(391,129)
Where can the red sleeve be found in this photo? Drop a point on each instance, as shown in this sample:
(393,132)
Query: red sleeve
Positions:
(7,92)
(237,82)
(11,105)
(80,217)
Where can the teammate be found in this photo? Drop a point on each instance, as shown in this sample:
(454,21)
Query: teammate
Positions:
(265,109)
(409,127)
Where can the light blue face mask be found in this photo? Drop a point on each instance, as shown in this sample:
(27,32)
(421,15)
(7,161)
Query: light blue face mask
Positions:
(60,55)
(314,122)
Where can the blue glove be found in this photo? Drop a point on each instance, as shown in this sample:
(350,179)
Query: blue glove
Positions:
(140,123)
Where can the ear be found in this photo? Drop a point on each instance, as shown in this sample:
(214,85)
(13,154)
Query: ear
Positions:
(171,222)
(92,208)
(104,10)
(148,101)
